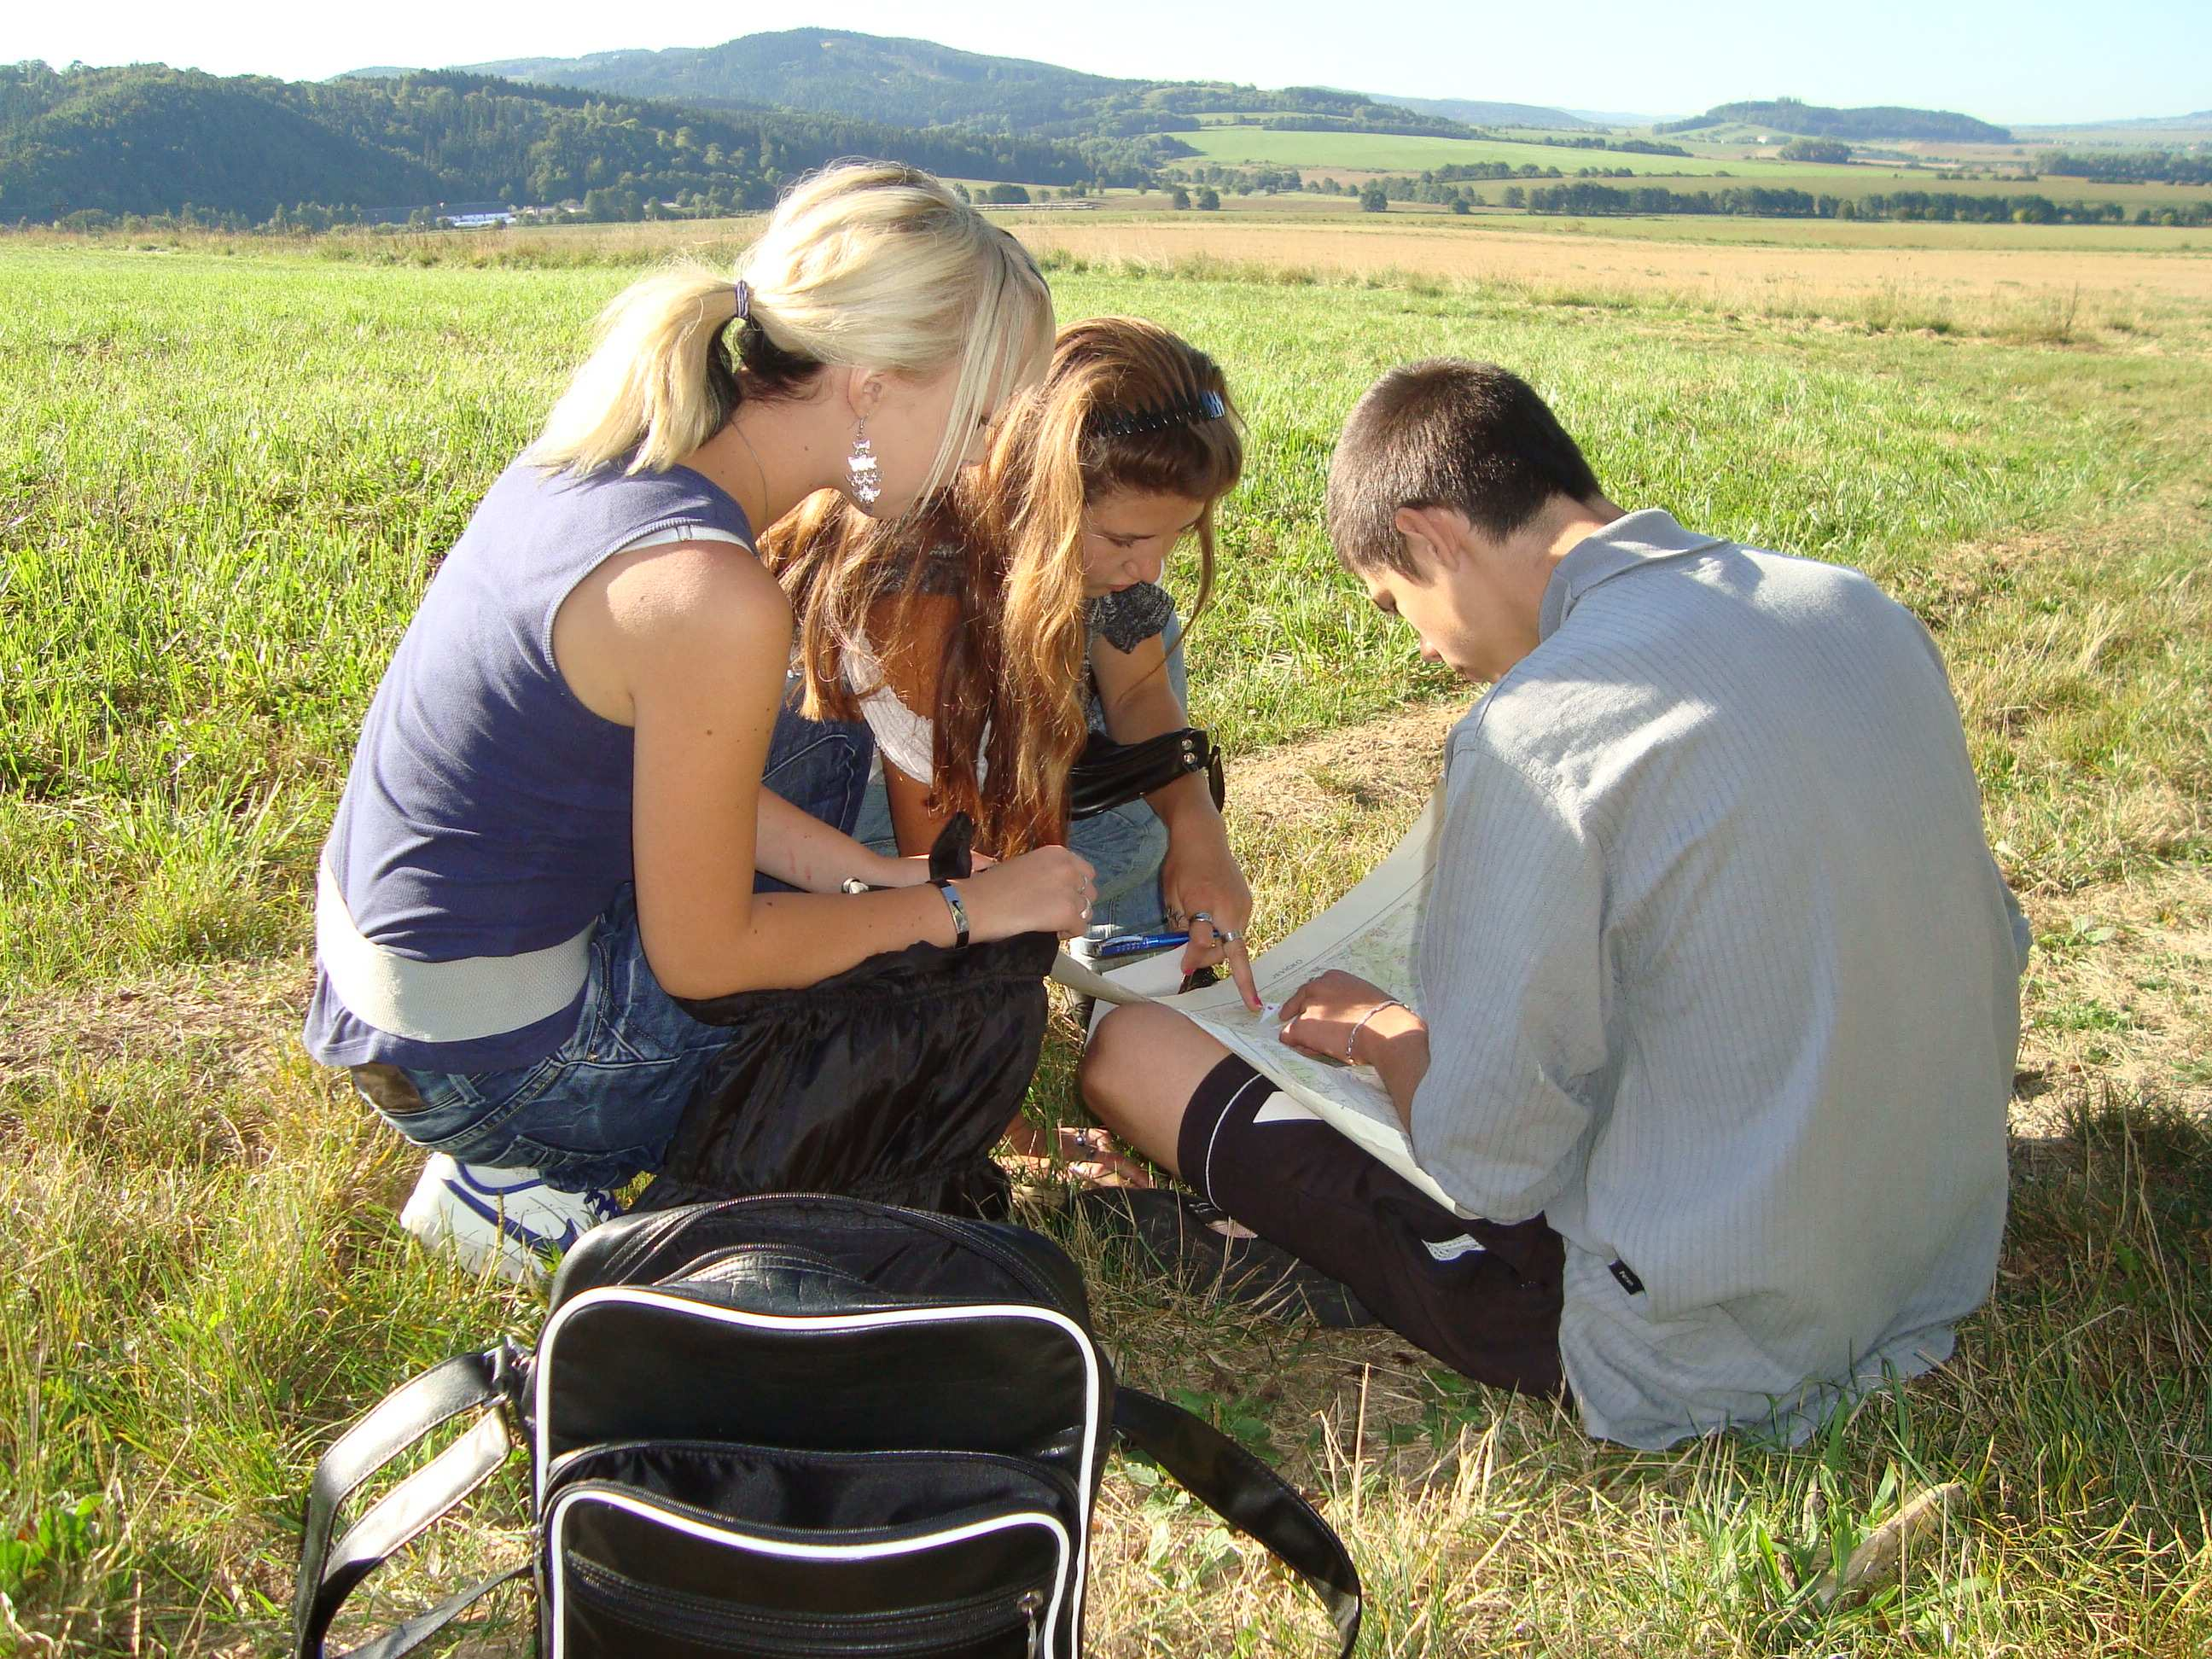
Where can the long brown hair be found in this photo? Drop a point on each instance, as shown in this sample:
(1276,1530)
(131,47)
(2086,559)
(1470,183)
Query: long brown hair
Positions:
(1125,405)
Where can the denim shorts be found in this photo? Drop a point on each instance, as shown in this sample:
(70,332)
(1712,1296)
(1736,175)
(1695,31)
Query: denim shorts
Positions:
(598,1110)
(601,1108)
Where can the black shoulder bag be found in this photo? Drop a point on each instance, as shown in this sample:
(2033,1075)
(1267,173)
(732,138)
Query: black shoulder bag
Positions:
(794,1426)
(890,1081)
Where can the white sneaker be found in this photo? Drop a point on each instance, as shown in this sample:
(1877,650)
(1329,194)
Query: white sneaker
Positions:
(507,1216)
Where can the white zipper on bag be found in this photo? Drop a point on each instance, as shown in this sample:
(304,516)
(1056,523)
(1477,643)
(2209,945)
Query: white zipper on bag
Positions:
(1030,1604)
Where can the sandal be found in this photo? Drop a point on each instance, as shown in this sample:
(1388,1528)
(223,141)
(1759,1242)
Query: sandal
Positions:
(1090,1157)
(1198,1244)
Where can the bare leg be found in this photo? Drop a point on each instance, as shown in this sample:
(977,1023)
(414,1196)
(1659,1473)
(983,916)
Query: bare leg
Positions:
(1143,1066)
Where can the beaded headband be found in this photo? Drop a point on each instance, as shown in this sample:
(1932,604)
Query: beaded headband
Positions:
(1127,422)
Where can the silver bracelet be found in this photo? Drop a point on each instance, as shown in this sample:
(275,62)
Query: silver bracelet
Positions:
(959,911)
(1354,1035)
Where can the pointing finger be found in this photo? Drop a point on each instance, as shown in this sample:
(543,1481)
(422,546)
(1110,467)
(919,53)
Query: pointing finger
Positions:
(1240,969)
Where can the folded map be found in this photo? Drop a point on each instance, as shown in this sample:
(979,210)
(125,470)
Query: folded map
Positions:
(1373,932)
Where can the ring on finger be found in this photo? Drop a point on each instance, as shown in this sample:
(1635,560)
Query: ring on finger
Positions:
(1227,936)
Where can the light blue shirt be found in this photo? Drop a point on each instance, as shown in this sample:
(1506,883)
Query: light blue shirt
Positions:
(1722,978)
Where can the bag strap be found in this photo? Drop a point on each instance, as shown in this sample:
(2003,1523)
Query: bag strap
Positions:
(329,1575)
(1252,1496)
(1107,774)
(405,1637)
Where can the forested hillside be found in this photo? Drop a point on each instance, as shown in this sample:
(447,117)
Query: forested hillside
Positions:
(1875,121)
(920,83)
(148,139)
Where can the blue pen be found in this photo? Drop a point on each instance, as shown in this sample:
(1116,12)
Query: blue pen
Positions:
(1129,945)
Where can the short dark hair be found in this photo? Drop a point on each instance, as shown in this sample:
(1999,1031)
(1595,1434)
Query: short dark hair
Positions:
(1472,437)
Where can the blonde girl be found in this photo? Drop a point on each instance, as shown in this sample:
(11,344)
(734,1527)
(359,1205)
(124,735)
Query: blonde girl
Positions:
(556,809)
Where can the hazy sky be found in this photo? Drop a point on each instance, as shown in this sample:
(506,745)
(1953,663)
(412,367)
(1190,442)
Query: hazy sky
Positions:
(2025,61)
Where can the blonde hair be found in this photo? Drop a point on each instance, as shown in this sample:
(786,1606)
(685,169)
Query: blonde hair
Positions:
(1125,405)
(862,264)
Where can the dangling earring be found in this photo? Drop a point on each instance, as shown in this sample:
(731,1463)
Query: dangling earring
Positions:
(867,476)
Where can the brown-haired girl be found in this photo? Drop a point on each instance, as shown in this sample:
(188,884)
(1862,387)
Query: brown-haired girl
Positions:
(1041,596)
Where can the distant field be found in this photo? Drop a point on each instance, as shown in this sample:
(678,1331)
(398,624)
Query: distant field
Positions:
(1426,220)
(1356,155)
(2124,137)
(1381,153)
(1331,233)
(2084,286)
(1123,205)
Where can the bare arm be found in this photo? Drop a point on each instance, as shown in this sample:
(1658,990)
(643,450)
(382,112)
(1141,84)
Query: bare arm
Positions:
(795,846)
(700,642)
(1200,875)
(914,820)
(1341,1017)
(911,664)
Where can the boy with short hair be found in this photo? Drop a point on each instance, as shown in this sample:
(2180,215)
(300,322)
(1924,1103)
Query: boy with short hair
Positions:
(1722,983)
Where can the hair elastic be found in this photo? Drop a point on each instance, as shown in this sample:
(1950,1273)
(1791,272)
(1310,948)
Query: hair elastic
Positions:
(1127,422)
(744,292)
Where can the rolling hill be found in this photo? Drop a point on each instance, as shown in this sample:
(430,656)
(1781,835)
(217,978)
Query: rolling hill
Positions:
(148,139)
(1820,121)
(2198,122)
(920,83)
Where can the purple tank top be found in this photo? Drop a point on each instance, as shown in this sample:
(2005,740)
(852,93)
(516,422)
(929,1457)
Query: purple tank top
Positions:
(487,812)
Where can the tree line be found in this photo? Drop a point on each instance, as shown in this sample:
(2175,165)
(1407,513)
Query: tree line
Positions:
(1829,151)
(2129,166)
(1448,187)
(1754,201)
(1606,141)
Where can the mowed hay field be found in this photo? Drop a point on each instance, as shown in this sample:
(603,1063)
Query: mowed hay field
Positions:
(227,475)
(1879,274)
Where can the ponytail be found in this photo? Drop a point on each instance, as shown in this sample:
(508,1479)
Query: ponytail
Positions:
(862,264)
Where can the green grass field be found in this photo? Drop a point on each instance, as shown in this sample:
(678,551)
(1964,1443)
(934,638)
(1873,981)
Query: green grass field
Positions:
(227,478)
(1341,153)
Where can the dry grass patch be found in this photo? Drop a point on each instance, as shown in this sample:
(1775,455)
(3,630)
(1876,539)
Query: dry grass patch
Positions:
(1308,819)
(234,1018)
(1951,282)
(2082,660)
(2119,993)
